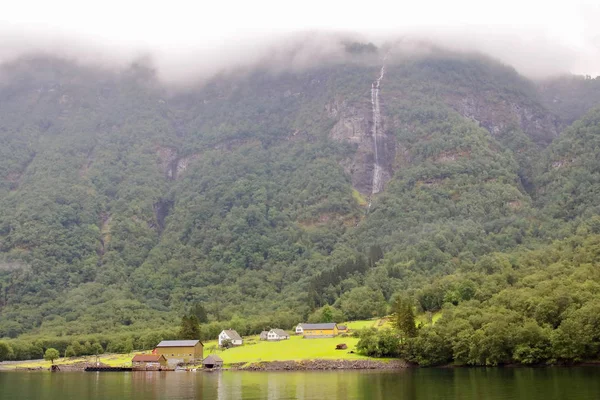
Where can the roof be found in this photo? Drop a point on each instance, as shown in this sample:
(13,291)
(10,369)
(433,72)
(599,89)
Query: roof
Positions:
(147,358)
(280,332)
(212,359)
(329,325)
(299,325)
(178,343)
(342,327)
(233,335)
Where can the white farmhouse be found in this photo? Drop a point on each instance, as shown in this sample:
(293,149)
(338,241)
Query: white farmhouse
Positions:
(232,336)
(299,329)
(277,334)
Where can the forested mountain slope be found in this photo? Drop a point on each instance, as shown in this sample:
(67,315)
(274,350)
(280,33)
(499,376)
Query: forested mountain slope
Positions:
(124,203)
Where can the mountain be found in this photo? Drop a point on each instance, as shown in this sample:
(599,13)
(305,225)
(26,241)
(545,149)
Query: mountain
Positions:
(264,195)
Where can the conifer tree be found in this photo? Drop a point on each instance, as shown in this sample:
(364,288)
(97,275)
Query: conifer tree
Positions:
(403,316)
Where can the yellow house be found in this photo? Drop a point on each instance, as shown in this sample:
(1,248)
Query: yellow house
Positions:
(313,331)
(342,329)
(180,351)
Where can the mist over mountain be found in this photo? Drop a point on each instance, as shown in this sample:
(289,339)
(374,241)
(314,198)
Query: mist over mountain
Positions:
(332,171)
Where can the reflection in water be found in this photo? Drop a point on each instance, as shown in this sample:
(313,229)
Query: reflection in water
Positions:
(431,384)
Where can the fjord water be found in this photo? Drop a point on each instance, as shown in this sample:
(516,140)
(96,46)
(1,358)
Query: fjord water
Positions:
(581,383)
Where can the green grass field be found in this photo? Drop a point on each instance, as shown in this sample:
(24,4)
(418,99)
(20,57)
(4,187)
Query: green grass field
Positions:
(296,348)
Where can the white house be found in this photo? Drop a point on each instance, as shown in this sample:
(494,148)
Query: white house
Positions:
(232,336)
(299,329)
(277,334)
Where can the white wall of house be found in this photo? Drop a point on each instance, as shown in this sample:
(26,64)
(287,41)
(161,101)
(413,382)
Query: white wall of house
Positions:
(274,336)
(223,336)
(299,330)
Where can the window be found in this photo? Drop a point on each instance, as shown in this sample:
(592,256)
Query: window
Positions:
(172,355)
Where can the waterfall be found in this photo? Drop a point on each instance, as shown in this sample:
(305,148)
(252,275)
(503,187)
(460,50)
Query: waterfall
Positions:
(377,170)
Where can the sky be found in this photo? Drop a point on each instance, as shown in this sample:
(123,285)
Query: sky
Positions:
(538,37)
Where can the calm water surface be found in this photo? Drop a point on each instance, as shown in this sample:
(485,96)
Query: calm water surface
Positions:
(581,383)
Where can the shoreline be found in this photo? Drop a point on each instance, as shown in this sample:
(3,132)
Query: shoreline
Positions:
(322,365)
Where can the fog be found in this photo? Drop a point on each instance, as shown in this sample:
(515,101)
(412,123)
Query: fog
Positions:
(540,40)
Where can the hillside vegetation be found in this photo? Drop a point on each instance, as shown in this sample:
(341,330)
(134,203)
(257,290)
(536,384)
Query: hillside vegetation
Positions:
(125,205)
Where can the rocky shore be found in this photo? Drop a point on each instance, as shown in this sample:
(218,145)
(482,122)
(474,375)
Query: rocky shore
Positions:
(322,365)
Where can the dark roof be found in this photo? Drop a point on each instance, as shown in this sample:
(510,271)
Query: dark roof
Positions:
(342,327)
(329,325)
(212,359)
(147,357)
(233,335)
(178,343)
(280,332)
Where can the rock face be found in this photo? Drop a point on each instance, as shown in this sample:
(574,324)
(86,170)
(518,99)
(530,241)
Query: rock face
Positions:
(355,126)
(172,164)
(542,127)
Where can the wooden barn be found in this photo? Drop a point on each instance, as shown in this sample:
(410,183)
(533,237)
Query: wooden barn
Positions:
(180,351)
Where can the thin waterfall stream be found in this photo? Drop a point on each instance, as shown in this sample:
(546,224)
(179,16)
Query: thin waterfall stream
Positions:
(377,180)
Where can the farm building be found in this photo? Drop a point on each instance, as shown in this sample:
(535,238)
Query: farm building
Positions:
(264,335)
(149,361)
(313,331)
(212,361)
(277,334)
(180,351)
(342,329)
(232,336)
(298,329)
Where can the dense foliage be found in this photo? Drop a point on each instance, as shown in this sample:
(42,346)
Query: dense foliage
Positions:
(124,206)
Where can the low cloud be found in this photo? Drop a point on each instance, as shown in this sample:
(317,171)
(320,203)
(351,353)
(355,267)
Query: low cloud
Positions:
(532,52)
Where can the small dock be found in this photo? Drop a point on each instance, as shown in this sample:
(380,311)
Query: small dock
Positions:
(107,369)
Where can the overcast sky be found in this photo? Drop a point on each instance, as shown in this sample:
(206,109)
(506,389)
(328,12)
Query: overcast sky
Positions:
(542,36)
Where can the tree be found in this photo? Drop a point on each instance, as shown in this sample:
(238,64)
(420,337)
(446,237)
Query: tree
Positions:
(200,312)
(6,351)
(382,343)
(327,314)
(51,354)
(403,316)
(70,352)
(189,328)
(96,348)
(363,303)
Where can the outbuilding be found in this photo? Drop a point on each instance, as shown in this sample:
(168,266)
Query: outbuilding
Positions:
(148,362)
(212,362)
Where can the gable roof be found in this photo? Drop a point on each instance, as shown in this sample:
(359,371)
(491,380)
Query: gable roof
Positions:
(329,325)
(342,327)
(147,358)
(212,359)
(178,343)
(280,332)
(233,335)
